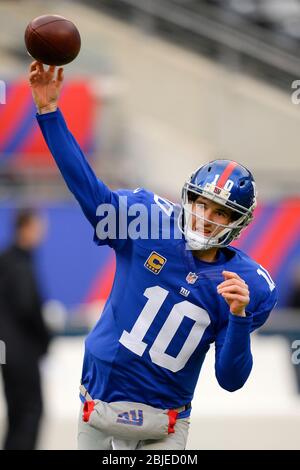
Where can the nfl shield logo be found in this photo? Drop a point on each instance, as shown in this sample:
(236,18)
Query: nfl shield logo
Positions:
(191,278)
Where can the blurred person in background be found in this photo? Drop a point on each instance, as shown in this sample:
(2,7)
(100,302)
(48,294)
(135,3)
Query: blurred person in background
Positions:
(172,296)
(24,332)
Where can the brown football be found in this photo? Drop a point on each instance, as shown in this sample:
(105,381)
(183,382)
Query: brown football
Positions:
(52,40)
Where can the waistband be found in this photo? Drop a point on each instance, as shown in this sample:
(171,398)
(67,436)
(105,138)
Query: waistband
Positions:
(88,397)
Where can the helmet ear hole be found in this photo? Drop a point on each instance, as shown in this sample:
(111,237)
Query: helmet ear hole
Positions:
(235,216)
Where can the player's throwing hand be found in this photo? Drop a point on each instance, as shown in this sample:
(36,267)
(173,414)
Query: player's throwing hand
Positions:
(45,86)
(236,293)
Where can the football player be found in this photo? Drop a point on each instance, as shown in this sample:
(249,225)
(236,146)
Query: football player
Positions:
(174,293)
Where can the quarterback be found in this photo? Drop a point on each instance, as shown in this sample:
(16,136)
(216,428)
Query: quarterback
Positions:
(174,293)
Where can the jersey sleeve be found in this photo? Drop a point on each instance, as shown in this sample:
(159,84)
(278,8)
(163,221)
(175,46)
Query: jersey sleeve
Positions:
(233,359)
(264,307)
(100,205)
(114,221)
(76,171)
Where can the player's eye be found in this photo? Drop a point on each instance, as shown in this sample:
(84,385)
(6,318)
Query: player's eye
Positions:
(222,214)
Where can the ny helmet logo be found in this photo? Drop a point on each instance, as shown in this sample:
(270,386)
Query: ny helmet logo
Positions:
(131,418)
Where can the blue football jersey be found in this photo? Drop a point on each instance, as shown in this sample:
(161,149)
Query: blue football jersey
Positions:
(164,310)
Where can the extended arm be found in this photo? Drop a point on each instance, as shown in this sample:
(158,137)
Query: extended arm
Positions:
(77,173)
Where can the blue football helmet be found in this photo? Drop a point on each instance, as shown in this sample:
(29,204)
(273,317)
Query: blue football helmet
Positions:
(227,183)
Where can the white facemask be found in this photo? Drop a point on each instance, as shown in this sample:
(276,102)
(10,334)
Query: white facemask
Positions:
(195,236)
